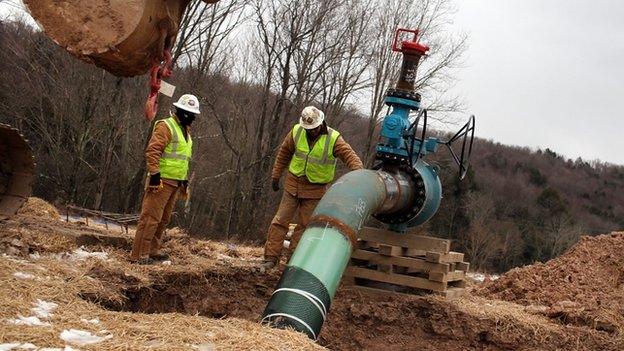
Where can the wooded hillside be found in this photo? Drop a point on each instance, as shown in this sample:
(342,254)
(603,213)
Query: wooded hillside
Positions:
(518,206)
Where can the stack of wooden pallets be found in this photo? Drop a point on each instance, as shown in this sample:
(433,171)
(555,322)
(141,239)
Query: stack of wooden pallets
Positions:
(408,263)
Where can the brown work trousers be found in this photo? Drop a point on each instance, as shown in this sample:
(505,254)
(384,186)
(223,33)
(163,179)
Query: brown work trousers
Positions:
(289,205)
(155,215)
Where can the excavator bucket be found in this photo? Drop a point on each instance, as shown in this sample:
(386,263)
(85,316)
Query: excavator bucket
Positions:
(124,37)
(17,171)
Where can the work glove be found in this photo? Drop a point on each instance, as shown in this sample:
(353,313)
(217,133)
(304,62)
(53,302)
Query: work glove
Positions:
(155,183)
(275,185)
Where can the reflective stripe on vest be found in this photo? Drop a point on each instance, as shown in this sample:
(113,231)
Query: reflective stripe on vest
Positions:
(317,164)
(174,161)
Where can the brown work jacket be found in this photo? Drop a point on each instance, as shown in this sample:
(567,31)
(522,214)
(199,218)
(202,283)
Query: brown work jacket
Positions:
(161,137)
(301,186)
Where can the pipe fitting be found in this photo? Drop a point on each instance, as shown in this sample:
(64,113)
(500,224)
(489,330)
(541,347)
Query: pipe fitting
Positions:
(399,192)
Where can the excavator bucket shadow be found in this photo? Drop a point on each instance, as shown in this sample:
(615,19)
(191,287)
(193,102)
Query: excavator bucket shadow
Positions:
(17,171)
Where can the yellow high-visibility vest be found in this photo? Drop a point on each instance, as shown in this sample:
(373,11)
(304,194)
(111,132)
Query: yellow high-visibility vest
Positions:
(318,164)
(174,162)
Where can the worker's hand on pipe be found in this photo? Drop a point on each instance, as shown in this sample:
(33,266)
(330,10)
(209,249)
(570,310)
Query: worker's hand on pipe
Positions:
(275,185)
(155,183)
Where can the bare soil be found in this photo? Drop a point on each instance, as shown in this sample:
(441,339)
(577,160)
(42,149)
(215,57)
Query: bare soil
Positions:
(221,282)
(582,287)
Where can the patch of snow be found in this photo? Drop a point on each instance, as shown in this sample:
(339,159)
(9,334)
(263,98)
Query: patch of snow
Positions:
(17,346)
(22,275)
(207,347)
(481,277)
(13,258)
(477,276)
(81,254)
(35,256)
(154,343)
(31,321)
(67,348)
(43,309)
(90,321)
(224,257)
(166,263)
(82,337)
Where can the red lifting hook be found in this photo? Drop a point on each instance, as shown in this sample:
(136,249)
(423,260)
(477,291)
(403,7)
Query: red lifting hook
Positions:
(157,72)
(408,45)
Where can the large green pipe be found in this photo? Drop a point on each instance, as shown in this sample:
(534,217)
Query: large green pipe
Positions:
(304,293)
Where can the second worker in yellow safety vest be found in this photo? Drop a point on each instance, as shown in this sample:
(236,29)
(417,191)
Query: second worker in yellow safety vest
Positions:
(309,151)
(167,155)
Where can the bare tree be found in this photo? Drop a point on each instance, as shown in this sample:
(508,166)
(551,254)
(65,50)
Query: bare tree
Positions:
(202,42)
(435,77)
(560,234)
(480,242)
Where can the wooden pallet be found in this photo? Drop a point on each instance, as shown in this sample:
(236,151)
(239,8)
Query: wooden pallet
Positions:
(406,263)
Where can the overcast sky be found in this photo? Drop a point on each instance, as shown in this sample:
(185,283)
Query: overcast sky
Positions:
(547,73)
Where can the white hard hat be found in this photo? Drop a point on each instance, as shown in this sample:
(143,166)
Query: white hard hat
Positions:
(311,117)
(189,103)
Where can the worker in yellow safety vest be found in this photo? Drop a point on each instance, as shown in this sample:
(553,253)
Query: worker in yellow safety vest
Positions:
(309,151)
(167,155)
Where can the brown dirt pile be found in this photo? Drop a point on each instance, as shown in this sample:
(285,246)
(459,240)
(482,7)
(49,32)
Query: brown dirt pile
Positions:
(37,207)
(583,287)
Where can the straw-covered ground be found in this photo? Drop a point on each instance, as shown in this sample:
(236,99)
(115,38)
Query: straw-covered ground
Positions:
(49,284)
(66,285)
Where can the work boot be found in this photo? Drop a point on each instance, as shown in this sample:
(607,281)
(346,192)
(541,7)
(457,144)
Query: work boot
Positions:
(268,264)
(146,261)
(159,257)
(142,261)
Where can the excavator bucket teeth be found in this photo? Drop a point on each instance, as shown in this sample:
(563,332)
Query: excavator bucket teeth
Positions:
(17,171)
(124,37)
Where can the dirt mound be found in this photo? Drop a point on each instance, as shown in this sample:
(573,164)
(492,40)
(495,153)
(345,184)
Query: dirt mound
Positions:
(37,207)
(584,286)
(364,321)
